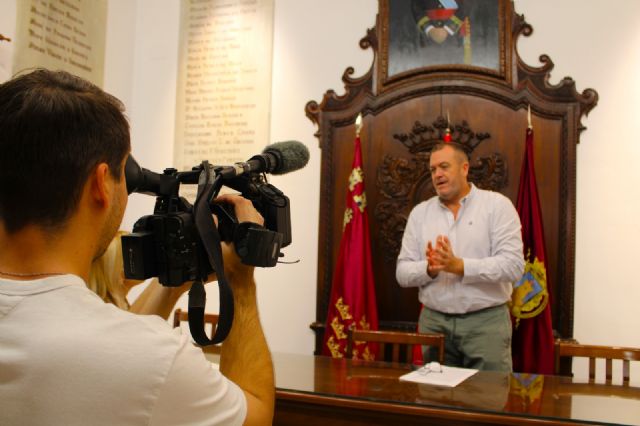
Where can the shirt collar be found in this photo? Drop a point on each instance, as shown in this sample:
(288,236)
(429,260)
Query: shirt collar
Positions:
(29,287)
(470,195)
(464,199)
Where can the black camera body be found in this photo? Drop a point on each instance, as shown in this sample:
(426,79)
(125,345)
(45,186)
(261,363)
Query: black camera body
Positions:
(168,244)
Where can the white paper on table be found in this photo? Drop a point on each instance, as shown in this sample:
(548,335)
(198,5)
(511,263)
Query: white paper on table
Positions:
(450,376)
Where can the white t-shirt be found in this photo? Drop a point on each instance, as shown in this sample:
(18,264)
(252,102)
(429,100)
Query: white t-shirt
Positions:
(68,358)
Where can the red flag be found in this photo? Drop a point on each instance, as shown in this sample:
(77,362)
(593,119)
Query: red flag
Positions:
(532,344)
(353,302)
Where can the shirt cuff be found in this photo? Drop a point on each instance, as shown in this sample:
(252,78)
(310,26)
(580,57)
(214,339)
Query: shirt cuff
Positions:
(416,274)
(471,270)
(421,266)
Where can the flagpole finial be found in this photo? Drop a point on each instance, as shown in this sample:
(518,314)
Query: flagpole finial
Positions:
(447,132)
(529,125)
(358,124)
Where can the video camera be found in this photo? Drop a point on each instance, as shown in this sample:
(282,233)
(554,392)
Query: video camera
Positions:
(168,245)
(179,242)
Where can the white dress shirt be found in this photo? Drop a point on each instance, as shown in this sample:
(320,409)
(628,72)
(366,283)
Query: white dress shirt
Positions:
(486,235)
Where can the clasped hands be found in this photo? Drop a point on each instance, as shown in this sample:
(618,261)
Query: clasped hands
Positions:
(441,258)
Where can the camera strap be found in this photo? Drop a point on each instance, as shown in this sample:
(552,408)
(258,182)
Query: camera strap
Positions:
(210,238)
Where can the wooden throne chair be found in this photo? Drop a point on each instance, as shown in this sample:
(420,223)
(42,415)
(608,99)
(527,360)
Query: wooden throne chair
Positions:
(407,104)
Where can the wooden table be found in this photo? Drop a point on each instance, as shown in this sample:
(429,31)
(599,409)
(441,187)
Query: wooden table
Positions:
(315,390)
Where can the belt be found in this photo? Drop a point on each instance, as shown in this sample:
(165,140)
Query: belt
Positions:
(467,313)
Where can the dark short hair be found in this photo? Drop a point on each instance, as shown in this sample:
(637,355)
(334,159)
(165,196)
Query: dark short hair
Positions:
(55,128)
(456,147)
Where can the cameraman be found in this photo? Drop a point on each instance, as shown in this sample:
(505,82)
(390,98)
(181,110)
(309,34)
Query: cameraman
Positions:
(68,358)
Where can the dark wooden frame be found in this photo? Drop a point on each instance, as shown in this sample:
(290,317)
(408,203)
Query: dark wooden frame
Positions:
(406,113)
(385,80)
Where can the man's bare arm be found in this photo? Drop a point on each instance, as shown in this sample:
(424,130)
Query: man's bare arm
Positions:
(157,299)
(245,358)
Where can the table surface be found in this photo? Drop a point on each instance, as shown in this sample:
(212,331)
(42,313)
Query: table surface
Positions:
(529,397)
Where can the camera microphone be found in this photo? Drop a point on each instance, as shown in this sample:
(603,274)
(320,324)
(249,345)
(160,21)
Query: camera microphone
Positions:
(290,156)
(278,158)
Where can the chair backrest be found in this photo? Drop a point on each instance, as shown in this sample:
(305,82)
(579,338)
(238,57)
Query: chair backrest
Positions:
(608,353)
(395,339)
(179,316)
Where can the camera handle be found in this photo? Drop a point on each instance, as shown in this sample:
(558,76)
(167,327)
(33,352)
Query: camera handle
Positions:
(208,188)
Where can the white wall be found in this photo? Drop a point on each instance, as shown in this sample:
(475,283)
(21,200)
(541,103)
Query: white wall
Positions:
(7,29)
(301,72)
(313,43)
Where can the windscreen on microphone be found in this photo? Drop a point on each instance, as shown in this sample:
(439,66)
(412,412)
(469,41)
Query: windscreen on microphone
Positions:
(290,156)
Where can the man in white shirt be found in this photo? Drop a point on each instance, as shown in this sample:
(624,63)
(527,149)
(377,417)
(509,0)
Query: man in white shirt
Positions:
(463,249)
(67,358)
